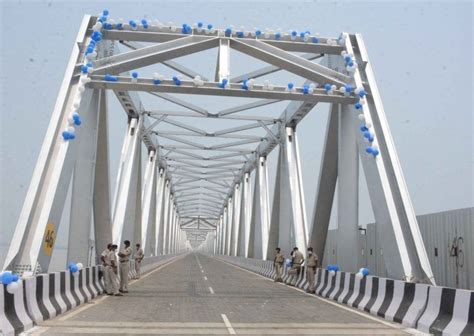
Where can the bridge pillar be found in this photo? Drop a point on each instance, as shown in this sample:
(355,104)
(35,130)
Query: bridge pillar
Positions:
(245,216)
(236,220)
(159,208)
(260,220)
(148,205)
(127,199)
(164,224)
(230,220)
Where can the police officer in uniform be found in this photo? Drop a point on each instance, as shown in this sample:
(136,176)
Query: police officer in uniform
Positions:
(138,256)
(112,269)
(295,270)
(104,258)
(311,265)
(278,264)
(124,258)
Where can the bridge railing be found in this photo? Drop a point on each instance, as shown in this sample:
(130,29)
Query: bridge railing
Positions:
(45,296)
(430,309)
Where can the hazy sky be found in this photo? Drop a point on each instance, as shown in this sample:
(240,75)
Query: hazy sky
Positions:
(421,53)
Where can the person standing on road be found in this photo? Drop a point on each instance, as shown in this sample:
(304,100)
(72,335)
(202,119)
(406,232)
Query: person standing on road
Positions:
(278,264)
(124,258)
(311,265)
(295,270)
(112,269)
(138,256)
(104,258)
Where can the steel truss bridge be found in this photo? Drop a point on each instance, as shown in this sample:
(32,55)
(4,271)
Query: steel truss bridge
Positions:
(197,188)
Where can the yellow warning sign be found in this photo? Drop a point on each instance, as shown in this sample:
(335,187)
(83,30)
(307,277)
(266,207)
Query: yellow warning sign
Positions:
(49,239)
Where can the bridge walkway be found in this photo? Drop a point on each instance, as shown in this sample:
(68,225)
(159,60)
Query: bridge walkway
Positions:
(197,294)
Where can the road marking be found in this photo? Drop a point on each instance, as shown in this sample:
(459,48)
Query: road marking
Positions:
(407,330)
(227,324)
(205,277)
(82,308)
(35,331)
(211,290)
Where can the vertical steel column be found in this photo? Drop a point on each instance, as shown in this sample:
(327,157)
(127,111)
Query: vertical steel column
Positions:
(124,219)
(224,231)
(83,186)
(245,216)
(164,224)
(300,226)
(348,191)
(160,191)
(148,204)
(236,221)
(101,194)
(260,223)
(326,185)
(230,220)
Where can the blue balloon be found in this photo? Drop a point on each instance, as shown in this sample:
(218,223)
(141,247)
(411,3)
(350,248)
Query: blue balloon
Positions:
(291,85)
(176,80)
(371,138)
(305,89)
(65,135)
(90,50)
(240,34)
(244,85)
(77,120)
(132,23)
(119,26)
(335,268)
(358,106)
(200,24)
(365,271)
(302,34)
(228,32)
(375,152)
(367,134)
(156,81)
(362,93)
(105,12)
(347,58)
(307,32)
(327,87)
(103,18)
(277,36)
(84,69)
(74,269)
(15,277)
(369,150)
(135,74)
(144,22)
(348,88)
(209,26)
(6,278)
(258,32)
(294,33)
(315,39)
(363,128)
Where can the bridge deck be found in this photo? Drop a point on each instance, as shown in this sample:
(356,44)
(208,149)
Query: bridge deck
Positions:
(197,294)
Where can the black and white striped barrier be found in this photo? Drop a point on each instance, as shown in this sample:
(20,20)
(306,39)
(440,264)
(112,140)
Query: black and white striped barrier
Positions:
(448,311)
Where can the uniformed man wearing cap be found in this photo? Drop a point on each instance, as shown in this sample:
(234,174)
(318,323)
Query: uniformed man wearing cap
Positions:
(104,258)
(124,259)
(278,264)
(113,271)
(138,257)
(295,270)
(311,265)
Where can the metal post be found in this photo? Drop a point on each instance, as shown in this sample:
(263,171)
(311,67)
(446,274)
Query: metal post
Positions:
(166,216)
(236,220)
(160,191)
(148,204)
(245,216)
(230,220)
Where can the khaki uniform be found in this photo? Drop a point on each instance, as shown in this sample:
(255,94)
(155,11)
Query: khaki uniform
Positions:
(296,268)
(278,263)
(105,263)
(138,256)
(111,270)
(124,267)
(311,264)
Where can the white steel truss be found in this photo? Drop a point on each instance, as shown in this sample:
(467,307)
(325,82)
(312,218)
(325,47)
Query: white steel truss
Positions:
(197,182)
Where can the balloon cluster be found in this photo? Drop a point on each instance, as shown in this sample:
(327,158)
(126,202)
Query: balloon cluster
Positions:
(333,269)
(351,64)
(11,280)
(368,136)
(75,268)
(330,88)
(363,272)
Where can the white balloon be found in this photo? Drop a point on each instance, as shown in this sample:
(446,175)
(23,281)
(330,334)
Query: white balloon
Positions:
(361,269)
(81,88)
(357,90)
(368,124)
(359,276)
(12,287)
(332,273)
(362,101)
(80,266)
(70,119)
(333,87)
(312,86)
(70,129)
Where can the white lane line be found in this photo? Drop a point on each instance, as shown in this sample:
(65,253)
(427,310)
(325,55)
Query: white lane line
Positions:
(370,317)
(99,300)
(211,290)
(228,325)
(205,277)
(34,331)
